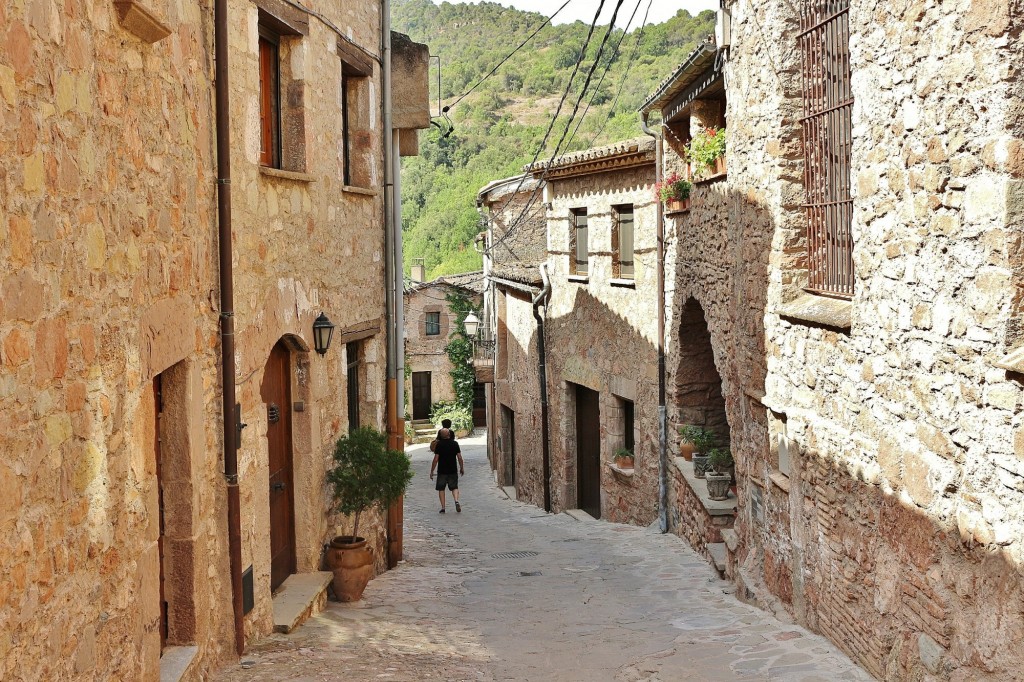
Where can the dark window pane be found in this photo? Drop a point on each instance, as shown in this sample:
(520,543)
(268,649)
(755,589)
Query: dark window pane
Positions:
(433,324)
(625,245)
(581,253)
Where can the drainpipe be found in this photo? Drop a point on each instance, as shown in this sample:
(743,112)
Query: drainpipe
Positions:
(389,234)
(399,287)
(538,300)
(227,317)
(662,413)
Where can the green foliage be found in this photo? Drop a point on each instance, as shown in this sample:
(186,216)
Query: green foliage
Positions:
(462,417)
(705,148)
(701,439)
(366,474)
(460,352)
(720,459)
(499,127)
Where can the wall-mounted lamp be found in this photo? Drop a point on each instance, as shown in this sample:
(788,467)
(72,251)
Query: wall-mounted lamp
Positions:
(323,330)
(472,325)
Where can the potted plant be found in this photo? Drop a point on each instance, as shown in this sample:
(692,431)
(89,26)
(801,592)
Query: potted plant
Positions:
(686,446)
(707,152)
(703,440)
(623,458)
(366,475)
(719,477)
(674,192)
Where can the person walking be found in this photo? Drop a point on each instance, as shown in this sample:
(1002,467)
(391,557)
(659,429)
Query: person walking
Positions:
(446,453)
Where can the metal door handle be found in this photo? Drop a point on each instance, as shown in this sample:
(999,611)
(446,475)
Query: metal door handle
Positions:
(277,486)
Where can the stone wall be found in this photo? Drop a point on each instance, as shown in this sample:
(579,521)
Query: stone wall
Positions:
(601,333)
(107,263)
(880,482)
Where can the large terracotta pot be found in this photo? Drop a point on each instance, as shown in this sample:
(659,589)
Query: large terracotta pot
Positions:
(352,564)
(686,450)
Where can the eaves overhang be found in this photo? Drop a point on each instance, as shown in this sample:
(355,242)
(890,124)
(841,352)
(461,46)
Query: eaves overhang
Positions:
(699,75)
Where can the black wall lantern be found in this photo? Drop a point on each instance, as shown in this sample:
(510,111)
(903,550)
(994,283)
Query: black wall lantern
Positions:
(323,330)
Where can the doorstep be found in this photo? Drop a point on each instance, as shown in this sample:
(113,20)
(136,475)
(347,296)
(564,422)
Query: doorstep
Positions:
(510,491)
(176,663)
(579,515)
(302,595)
(719,557)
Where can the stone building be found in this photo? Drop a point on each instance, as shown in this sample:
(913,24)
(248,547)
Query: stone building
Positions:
(116,513)
(600,335)
(430,321)
(843,307)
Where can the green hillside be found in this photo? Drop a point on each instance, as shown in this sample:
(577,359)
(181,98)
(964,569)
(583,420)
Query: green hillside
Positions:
(499,127)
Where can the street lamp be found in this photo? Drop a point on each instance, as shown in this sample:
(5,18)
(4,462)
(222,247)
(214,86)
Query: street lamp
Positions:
(472,324)
(323,330)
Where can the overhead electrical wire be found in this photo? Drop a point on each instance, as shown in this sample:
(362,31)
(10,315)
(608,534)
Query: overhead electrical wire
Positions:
(579,100)
(510,55)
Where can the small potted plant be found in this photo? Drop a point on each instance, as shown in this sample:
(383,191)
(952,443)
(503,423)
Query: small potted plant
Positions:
(366,474)
(686,447)
(719,477)
(707,152)
(623,458)
(674,192)
(703,441)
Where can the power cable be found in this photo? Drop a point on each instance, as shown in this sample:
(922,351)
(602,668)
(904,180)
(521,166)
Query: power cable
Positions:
(521,46)
(572,116)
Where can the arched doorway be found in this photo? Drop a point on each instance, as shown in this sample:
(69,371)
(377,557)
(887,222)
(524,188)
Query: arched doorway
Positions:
(698,386)
(276,394)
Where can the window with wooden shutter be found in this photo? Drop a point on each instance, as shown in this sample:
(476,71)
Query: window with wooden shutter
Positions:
(270,101)
(622,242)
(578,249)
(828,141)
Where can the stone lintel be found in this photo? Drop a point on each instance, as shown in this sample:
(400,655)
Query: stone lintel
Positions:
(283,18)
(823,311)
(354,58)
(362,330)
(136,19)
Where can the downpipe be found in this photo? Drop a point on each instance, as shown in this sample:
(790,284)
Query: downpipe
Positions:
(227,318)
(541,299)
(662,410)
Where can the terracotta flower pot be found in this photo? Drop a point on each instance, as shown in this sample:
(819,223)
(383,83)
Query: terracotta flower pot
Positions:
(352,565)
(686,450)
(718,485)
(624,462)
(677,205)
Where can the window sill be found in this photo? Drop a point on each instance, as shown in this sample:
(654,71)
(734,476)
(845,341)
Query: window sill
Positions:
(352,189)
(622,282)
(286,175)
(780,480)
(580,279)
(626,474)
(711,178)
(1012,361)
(823,311)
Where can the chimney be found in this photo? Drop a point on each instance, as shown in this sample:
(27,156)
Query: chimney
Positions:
(418,272)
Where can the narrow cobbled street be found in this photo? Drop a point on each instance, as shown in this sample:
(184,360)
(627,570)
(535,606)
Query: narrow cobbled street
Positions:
(586,601)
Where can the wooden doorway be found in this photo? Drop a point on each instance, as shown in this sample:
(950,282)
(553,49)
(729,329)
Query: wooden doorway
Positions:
(588,451)
(508,440)
(421,395)
(479,406)
(276,394)
(158,401)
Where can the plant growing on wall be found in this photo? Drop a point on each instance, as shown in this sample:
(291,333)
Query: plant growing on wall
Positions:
(460,350)
(673,188)
(706,148)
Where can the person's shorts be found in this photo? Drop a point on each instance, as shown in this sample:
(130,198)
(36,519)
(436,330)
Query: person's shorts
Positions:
(450,480)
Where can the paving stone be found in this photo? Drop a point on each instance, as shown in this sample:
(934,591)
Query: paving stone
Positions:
(636,606)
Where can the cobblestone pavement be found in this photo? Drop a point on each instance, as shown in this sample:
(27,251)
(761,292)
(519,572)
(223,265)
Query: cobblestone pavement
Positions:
(597,601)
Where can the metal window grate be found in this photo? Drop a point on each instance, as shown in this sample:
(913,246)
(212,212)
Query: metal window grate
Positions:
(513,555)
(828,142)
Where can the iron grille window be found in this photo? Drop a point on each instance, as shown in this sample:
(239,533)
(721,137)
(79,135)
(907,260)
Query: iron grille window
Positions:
(578,253)
(433,324)
(622,241)
(828,141)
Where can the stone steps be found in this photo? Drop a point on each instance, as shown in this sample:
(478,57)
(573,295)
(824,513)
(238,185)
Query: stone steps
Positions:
(719,557)
(301,596)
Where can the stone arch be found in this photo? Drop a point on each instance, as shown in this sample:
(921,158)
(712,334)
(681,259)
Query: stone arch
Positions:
(698,385)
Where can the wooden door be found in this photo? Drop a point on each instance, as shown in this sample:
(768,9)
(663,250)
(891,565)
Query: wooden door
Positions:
(158,401)
(508,439)
(421,395)
(276,394)
(588,451)
(479,406)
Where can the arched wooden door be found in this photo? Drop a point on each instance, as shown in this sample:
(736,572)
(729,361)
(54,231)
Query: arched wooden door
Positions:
(276,394)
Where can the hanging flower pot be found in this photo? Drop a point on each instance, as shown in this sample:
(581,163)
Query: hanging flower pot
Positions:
(674,192)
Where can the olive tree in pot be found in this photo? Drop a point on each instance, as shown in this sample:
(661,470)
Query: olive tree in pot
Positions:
(365,475)
(720,476)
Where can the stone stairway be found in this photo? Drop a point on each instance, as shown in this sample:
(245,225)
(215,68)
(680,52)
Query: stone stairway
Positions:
(425,430)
